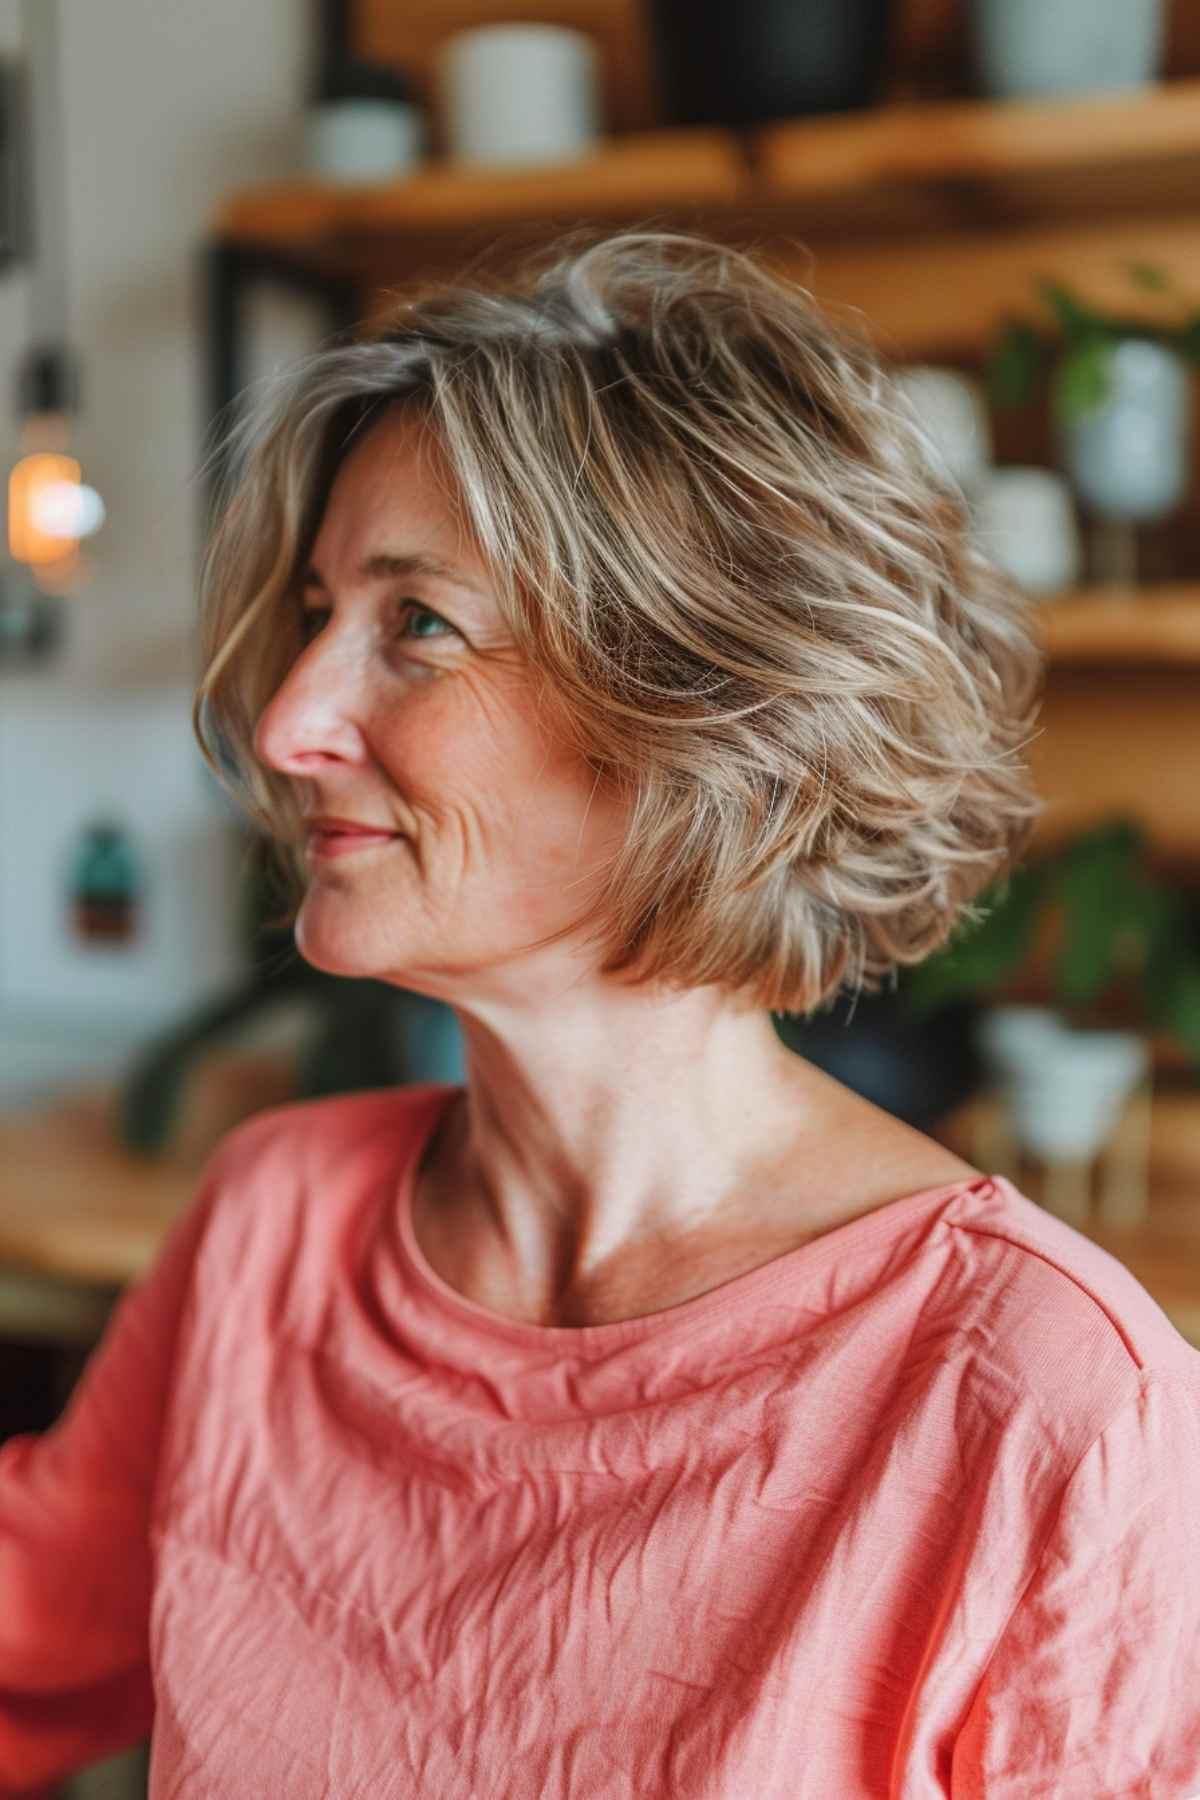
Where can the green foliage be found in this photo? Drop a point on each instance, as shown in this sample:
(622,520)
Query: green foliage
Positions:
(979,956)
(1077,352)
(1117,924)
(1082,379)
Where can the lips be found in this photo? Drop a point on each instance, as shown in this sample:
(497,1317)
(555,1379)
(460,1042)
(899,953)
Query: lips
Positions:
(327,836)
(333,822)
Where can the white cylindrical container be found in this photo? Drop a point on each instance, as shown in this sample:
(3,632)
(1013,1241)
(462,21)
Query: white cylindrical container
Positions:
(362,140)
(519,94)
(1025,523)
(364,123)
(1066,1099)
(1025,49)
(952,413)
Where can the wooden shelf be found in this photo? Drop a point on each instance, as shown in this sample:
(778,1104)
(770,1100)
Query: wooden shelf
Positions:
(1008,159)
(1112,628)
(942,166)
(627,177)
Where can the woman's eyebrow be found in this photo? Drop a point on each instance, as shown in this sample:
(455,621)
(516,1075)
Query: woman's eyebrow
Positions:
(387,565)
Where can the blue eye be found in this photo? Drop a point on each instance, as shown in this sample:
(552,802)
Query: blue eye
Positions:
(415,606)
(313,617)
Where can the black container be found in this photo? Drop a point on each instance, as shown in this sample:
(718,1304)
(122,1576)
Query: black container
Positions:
(916,1069)
(742,62)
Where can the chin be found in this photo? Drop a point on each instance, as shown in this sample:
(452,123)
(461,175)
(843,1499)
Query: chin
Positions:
(335,951)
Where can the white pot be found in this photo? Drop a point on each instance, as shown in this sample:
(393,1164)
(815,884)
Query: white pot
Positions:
(1007,1036)
(1131,458)
(1064,1089)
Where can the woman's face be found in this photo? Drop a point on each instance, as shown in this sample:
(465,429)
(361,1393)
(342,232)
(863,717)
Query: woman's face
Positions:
(392,716)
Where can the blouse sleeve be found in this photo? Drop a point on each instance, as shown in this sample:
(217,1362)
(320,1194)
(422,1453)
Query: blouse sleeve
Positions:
(1094,1689)
(75,1576)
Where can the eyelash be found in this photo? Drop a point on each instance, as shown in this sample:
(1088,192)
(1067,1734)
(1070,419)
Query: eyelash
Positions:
(309,613)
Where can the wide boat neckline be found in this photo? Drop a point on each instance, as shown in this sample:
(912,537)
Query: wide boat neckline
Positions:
(808,1260)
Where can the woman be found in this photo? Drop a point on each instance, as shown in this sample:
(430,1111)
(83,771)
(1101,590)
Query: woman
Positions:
(651,1415)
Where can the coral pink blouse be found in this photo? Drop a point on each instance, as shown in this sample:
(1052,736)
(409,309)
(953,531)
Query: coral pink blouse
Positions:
(910,1511)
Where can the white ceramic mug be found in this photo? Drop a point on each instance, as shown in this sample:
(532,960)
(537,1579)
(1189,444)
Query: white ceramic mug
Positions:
(1025,522)
(519,94)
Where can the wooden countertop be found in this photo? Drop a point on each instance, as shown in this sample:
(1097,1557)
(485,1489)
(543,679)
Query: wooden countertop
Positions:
(73,1203)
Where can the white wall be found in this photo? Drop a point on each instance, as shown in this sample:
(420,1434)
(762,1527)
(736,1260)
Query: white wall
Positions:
(168,105)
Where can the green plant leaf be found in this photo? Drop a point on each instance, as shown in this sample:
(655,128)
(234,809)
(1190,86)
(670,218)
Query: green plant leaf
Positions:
(1187,340)
(1076,319)
(1082,379)
(1013,364)
(1171,985)
(981,954)
(1100,889)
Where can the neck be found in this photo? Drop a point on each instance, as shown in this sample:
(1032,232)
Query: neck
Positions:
(587,1139)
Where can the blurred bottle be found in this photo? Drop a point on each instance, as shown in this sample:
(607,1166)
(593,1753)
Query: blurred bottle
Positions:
(105,885)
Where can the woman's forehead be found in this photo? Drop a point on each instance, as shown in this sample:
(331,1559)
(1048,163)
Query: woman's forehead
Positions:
(391,511)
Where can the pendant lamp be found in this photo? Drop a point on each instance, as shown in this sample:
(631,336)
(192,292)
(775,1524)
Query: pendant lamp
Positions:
(52,510)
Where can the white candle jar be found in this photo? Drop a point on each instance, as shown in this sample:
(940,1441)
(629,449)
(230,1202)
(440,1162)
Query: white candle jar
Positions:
(515,94)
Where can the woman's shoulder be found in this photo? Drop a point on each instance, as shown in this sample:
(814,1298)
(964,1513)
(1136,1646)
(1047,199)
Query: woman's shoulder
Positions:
(329,1124)
(325,1151)
(281,1189)
(1063,1319)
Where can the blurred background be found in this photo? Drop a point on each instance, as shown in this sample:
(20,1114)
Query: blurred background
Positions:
(1004,195)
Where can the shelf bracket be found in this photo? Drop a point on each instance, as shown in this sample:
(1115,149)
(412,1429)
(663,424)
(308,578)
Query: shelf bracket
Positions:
(229,271)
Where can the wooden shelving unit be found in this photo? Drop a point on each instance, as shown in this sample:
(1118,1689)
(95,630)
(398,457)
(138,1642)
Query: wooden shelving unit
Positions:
(1151,627)
(992,190)
(941,165)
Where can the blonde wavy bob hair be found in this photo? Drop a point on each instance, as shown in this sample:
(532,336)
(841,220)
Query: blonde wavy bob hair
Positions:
(715,534)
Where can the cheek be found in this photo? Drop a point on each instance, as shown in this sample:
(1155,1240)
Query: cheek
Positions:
(463,752)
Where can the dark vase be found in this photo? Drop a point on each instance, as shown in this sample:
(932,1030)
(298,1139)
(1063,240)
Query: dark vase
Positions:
(916,1069)
(741,62)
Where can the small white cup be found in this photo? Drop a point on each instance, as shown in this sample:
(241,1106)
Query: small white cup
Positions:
(1025,522)
(362,140)
(952,412)
(519,94)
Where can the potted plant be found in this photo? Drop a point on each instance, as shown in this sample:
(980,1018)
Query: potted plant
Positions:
(1125,942)
(1120,402)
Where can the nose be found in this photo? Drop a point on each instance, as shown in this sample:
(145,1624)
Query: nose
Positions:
(309,723)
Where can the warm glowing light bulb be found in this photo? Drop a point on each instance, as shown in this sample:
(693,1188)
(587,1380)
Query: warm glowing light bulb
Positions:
(28,483)
(67,509)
